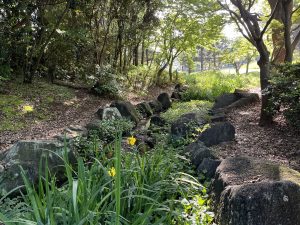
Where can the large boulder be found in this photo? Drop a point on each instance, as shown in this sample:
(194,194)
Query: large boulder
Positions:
(246,99)
(94,125)
(127,110)
(156,106)
(225,100)
(256,192)
(29,155)
(110,113)
(208,167)
(144,109)
(165,100)
(198,152)
(218,133)
(157,121)
(186,125)
(176,95)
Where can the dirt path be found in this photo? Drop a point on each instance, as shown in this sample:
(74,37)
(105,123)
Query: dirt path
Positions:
(278,142)
(78,111)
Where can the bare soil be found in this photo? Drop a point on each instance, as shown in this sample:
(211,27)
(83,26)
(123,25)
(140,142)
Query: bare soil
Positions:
(78,111)
(278,142)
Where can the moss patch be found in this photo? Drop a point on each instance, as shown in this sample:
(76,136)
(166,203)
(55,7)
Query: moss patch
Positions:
(180,108)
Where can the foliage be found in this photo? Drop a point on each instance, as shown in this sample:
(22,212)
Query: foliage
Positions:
(239,52)
(208,85)
(147,189)
(180,108)
(107,84)
(285,91)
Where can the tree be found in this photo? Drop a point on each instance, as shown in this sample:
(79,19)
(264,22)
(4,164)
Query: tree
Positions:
(238,53)
(250,26)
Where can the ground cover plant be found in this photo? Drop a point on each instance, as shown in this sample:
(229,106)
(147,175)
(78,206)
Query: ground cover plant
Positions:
(157,187)
(210,84)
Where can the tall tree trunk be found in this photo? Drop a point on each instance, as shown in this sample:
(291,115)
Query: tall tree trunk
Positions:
(143,52)
(287,31)
(171,69)
(160,72)
(147,57)
(247,66)
(264,65)
(202,58)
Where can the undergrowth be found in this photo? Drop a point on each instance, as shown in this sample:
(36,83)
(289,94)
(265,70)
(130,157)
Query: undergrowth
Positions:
(157,187)
(210,84)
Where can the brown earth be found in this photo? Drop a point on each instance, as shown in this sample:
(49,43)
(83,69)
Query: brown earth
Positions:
(78,111)
(278,142)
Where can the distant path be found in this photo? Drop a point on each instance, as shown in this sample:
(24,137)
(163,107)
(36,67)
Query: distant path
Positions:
(276,143)
(78,111)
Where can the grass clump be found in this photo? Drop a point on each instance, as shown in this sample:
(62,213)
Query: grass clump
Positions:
(180,108)
(211,84)
(130,188)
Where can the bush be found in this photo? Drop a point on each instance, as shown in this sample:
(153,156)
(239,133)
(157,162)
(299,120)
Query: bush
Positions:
(210,84)
(285,91)
(140,78)
(107,84)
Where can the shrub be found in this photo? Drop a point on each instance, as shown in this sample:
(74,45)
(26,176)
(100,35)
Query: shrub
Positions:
(107,84)
(285,91)
(140,78)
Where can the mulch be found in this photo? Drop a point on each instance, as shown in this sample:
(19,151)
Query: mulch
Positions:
(278,142)
(78,111)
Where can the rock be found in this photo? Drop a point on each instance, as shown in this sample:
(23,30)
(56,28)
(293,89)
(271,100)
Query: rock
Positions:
(208,167)
(181,88)
(226,100)
(71,133)
(157,121)
(246,99)
(127,110)
(93,125)
(156,106)
(176,95)
(165,100)
(218,133)
(28,155)
(198,152)
(110,113)
(186,124)
(144,109)
(253,192)
(221,117)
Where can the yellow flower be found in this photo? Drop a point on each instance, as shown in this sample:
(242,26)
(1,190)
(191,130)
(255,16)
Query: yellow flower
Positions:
(131,140)
(27,108)
(112,172)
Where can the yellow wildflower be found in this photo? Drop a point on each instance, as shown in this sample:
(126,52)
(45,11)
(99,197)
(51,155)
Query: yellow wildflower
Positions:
(131,140)
(112,172)
(27,108)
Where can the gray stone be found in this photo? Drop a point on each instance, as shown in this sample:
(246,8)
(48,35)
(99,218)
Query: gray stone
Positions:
(176,95)
(221,117)
(157,121)
(110,113)
(144,109)
(186,124)
(198,152)
(71,133)
(225,100)
(181,87)
(247,99)
(165,100)
(127,110)
(29,155)
(250,191)
(156,106)
(218,133)
(208,167)
(93,125)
